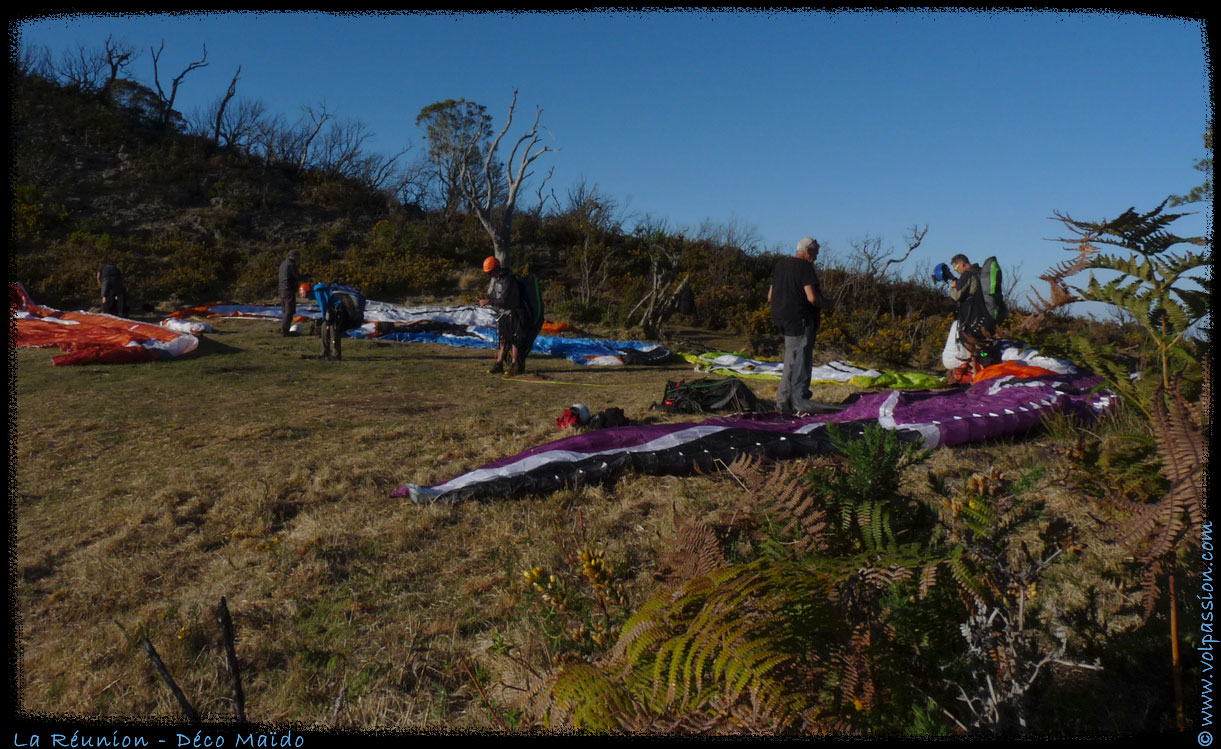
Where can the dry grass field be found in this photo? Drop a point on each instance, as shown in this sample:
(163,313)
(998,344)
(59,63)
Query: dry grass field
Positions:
(146,492)
(254,471)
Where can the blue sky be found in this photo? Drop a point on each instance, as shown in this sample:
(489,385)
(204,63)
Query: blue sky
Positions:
(838,125)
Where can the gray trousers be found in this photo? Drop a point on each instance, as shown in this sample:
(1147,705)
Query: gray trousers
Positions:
(795,379)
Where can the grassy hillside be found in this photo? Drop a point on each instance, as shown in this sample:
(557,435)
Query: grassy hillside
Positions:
(189,222)
(254,471)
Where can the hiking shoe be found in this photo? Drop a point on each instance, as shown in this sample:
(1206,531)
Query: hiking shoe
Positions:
(513,371)
(497,368)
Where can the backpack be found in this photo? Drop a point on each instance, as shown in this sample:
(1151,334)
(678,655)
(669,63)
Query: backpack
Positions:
(709,394)
(992,288)
(981,314)
(353,315)
(531,295)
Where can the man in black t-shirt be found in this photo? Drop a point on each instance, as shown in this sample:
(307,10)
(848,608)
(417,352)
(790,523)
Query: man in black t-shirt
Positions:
(797,302)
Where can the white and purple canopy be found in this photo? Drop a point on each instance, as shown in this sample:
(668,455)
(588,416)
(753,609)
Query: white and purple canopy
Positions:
(992,409)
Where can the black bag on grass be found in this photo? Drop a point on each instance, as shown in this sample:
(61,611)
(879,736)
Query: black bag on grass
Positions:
(710,394)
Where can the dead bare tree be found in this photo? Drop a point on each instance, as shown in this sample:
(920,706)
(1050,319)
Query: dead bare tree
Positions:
(380,172)
(241,122)
(596,216)
(34,60)
(223,104)
(732,233)
(480,189)
(877,262)
(167,102)
(118,55)
(410,183)
(872,264)
(342,146)
(304,137)
(82,69)
(542,199)
(658,303)
(280,143)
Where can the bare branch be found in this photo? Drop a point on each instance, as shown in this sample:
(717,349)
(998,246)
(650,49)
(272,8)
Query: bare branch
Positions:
(235,674)
(167,102)
(914,237)
(187,709)
(224,102)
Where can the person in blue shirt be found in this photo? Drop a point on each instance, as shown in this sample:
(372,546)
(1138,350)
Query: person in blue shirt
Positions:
(337,316)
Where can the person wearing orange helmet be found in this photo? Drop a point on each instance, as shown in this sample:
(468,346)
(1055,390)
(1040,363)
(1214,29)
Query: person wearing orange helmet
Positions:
(290,276)
(342,309)
(505,296)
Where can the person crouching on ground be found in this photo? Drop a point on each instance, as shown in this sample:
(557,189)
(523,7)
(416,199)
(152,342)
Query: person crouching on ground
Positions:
(335,320)
(505,296)
(797,301)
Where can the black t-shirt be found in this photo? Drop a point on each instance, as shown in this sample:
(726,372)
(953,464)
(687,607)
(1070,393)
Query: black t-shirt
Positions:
(790,307)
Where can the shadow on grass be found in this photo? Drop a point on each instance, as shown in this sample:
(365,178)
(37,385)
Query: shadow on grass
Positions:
(211,347)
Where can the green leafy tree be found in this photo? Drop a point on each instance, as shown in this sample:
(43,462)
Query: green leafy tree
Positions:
(458,133)
(462,147)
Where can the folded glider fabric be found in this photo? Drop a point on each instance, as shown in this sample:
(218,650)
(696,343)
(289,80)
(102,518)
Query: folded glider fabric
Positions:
(90,337)
(835,372)
(466,326)
(989,410)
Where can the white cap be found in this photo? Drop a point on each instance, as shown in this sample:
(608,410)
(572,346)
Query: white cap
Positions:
(581,411)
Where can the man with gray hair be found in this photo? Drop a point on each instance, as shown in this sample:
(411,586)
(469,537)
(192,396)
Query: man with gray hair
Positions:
(290,277)
(797,302)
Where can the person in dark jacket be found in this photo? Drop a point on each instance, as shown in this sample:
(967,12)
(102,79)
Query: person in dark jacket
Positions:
(504,294)
(114,299)
(797,301)
(975,327)
(290,278)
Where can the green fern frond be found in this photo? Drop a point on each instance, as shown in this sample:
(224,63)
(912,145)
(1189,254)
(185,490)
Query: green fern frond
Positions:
(962,575)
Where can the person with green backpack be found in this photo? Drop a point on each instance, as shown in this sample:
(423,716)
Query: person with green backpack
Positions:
(519,302)
(979,293)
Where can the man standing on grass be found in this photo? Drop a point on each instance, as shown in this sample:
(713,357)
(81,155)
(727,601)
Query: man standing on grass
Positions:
(114,300)
(505,295)
(797,302)
(290,277)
